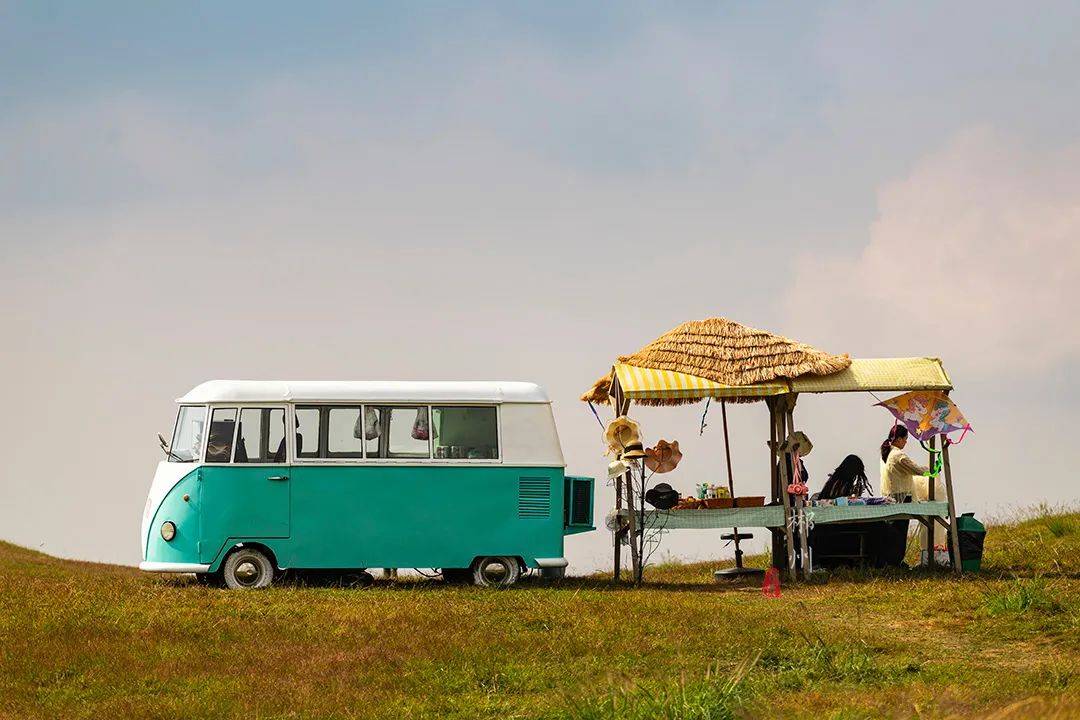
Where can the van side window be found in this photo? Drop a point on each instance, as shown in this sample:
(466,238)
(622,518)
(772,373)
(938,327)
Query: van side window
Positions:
(308,424)
(345,433)
(261,436)
(220,441)
(404,432)
(469,433)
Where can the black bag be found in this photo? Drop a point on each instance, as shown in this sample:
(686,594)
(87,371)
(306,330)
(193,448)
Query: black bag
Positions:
(662,497)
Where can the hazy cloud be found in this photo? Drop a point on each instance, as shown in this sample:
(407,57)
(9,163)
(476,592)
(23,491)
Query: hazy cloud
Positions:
(974,254)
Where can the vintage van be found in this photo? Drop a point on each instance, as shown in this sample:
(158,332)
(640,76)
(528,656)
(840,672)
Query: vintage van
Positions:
(261,477)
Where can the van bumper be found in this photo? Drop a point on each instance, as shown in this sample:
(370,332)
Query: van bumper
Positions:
(173,567)
(551,562)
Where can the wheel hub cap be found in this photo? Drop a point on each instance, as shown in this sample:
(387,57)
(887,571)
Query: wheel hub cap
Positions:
(247,572)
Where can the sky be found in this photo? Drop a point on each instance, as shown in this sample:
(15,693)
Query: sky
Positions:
(524,191)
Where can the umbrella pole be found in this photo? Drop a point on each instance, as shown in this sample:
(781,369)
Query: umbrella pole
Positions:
(730,482)
(953,530)
(738,570)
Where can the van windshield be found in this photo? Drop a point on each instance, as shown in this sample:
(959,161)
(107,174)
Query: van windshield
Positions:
(188,433)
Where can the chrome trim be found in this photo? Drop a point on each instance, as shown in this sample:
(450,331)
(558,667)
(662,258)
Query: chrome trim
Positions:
(173,567)
(552,562)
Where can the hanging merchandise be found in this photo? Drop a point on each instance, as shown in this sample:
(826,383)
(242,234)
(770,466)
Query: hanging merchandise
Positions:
(663,457)
(662,497)
(617,468)
(420,425)
(623,438)
(367,425)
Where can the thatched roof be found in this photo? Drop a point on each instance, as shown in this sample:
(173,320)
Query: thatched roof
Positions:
(725,352)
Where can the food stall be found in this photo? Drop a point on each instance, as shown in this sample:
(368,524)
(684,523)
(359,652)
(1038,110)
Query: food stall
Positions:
(732,363)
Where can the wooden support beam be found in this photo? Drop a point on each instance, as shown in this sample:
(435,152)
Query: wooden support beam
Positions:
(785,480)
(774,483)
(953,531)
(804,547)
(928,524)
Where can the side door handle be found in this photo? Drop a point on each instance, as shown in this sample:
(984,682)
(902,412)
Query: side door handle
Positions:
(278,478)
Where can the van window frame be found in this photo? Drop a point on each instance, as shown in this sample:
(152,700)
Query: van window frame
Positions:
(324,414)
(240,407)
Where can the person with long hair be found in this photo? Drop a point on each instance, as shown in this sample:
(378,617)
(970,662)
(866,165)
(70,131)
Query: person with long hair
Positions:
(898,471)
(847,480)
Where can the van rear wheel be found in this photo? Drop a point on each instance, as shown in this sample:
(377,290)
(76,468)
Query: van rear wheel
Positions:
(248,569)
(497,572)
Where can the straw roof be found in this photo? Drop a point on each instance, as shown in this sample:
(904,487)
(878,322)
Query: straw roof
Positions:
(726,352)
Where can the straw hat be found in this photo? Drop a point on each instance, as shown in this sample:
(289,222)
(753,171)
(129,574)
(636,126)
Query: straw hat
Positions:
(797,441)
(633,451)
(663,457)
(616,468)
(621,434)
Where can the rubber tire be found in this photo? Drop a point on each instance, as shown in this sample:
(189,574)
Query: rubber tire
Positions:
(263,566)
(482,578)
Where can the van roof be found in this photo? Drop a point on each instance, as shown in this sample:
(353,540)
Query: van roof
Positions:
(215,391)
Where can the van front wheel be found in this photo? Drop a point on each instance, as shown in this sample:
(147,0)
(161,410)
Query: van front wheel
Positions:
(248,569)
(496,572)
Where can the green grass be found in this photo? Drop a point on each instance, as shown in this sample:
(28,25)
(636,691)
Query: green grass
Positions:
(79,640)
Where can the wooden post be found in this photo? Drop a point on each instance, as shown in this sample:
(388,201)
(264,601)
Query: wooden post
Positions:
(774,483)
(785,479)
(928,523)
(617,534)
(953,531)
(617,405)
(799,506)
(631,529)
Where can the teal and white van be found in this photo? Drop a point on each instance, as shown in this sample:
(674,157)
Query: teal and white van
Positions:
(261,477)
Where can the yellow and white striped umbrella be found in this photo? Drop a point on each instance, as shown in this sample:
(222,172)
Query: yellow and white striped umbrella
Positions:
(648,383)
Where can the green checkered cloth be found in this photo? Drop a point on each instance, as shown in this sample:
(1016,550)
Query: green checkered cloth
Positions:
(773,516)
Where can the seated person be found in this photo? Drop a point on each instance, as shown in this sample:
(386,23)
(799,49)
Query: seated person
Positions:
(847,480)
(898,471)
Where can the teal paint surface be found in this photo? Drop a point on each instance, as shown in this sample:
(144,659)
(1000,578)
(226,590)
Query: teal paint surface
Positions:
(242,501)
(353,516)
(184,547)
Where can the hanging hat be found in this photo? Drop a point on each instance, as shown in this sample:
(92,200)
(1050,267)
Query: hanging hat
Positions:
(617,519)
(621,433)
(797,442)
(662,497)
(663,457)
(633,451)
(616,468)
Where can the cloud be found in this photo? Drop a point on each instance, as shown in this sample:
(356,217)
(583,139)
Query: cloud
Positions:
(974,256)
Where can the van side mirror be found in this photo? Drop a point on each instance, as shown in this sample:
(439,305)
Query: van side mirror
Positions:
(163,442)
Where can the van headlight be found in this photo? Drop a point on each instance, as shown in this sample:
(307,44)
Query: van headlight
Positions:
(168,530)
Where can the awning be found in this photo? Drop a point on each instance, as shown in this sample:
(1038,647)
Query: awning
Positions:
(646,383)
(870,374)
(880,374)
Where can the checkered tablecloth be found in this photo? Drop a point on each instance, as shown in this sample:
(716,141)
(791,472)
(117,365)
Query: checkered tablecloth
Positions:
(773,516)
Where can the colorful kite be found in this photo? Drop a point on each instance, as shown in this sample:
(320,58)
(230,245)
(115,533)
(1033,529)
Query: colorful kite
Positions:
(927,413)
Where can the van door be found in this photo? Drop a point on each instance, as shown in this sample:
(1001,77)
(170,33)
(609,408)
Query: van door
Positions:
(244,487)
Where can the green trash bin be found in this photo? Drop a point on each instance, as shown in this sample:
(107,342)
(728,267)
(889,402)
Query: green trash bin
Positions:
(972,535)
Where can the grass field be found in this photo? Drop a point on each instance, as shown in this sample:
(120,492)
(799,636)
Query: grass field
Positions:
(79,640)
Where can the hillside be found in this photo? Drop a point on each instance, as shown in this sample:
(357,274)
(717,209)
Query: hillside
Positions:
(79,640)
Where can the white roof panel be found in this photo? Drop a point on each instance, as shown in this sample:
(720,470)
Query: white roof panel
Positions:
(216,391)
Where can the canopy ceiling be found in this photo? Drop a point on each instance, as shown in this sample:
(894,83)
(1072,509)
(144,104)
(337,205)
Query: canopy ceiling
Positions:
(652,386)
